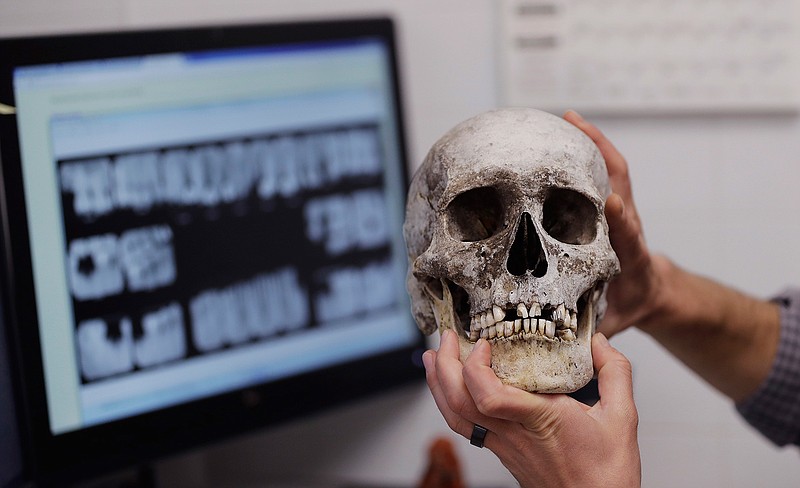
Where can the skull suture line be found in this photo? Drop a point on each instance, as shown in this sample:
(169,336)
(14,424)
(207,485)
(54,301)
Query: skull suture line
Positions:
(507,240)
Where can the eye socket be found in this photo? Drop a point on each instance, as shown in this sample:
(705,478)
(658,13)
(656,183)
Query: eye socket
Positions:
(475,215)
(570,217)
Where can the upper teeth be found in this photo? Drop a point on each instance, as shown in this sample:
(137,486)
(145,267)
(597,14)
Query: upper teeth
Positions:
(498,314)
(527,324)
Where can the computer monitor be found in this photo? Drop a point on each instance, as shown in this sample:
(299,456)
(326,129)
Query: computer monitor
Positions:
(201,234)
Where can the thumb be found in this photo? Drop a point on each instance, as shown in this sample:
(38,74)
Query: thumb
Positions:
(495,399)
(614,374)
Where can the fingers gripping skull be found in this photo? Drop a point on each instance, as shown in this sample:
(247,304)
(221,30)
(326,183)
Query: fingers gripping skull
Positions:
(507,240)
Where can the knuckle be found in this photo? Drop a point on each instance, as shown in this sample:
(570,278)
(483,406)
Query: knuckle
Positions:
(430,378)
(632,415)
(624,365)
(452,423)
(628,421)
(621,360)
(460,426)
(459,403)
(623,170)
(488,404)
(545,425)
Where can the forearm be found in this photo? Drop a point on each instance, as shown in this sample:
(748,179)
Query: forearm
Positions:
(725,336)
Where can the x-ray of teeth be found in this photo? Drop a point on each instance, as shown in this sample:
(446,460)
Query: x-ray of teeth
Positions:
(240,172)
(214,173)
(266,305)
(100,265)
(174,177)
(136,181)
(89,181)
(354,153)
(94,268)
(147,257)
(207,316)
(372,228)
(195,189)
(355,290)
(336,153)
(254,308)
(280,167)
(285,300)
(100,354)
(163,337)
(234,325)
(347,222)
(333,180)
(210,162)
(260,152)
(313,171)
(292,163)
(365,157)
(328,220)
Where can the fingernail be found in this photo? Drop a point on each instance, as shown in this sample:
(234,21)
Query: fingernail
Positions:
(577,115)
(446,333)
(427,359)
(602,340)
(480,344)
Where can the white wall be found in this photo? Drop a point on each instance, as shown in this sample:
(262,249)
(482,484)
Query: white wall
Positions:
(717,193)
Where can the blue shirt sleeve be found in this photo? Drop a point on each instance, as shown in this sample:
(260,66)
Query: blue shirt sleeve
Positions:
(774,408)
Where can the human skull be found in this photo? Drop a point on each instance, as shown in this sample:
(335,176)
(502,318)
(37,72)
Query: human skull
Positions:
(507,240)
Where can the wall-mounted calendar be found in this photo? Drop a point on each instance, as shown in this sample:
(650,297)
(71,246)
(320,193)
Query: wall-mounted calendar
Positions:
(623,56)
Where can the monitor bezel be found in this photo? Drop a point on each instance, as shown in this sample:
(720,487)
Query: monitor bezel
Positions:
(144,438)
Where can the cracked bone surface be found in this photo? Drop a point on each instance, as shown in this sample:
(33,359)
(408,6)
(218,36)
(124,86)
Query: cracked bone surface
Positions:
(507,240)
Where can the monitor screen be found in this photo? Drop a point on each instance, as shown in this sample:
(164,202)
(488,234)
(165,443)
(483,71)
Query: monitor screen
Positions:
(202,215)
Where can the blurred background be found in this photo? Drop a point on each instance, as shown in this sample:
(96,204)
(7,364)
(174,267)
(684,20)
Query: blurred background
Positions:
(715,161)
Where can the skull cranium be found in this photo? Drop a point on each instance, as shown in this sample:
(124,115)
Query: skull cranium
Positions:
(507,240)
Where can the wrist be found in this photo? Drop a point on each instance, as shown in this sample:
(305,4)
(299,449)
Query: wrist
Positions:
(661,305)
(727,337)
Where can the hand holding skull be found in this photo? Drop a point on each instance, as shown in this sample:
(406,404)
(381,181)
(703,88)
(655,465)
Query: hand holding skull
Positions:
(632,295)
(544,440)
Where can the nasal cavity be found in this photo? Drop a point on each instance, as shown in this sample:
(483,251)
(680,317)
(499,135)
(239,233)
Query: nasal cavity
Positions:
(527,253)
